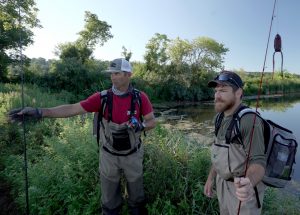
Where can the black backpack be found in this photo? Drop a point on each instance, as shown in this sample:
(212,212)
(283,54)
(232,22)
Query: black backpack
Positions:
(107,101)
(280,146)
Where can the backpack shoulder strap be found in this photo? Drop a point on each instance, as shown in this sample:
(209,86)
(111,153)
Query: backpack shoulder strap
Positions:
(218,122)
(235,126)
(233,130)
(220,116)
(248,110)
(109,102)
(103,96)
(136,98)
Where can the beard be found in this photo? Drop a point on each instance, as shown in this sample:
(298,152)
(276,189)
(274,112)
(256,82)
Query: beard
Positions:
(222,105)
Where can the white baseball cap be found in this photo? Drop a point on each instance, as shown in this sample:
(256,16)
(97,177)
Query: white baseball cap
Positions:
(119,65)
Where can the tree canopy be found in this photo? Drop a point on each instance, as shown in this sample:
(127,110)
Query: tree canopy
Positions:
(156,55)
(17,18)
(95,32)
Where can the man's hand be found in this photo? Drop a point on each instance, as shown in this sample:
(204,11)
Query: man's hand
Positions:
(135,124)
(27,113)
(244,189)
(208,188)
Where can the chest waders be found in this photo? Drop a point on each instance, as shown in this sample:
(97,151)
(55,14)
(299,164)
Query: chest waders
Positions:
(122,151)
(117,139)
(228,157)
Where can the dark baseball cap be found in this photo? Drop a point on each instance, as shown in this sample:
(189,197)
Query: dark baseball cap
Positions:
(226,77)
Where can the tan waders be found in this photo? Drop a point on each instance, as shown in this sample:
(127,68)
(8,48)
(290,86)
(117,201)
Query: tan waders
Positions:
(229,162)
(115,159)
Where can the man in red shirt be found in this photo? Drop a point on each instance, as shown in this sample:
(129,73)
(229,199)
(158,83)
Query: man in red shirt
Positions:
(121,150)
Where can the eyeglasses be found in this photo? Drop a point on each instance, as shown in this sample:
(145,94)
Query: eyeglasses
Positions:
(226,77)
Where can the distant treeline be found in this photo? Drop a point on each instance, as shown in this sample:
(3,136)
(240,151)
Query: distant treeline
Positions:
(167,84)
(173,69)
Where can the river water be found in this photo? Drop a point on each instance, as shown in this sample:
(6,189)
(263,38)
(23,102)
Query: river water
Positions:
(284,111)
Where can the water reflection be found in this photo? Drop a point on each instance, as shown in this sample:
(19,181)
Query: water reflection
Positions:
(278,104)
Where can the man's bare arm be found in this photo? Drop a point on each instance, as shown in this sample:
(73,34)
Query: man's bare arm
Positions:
(63,111)
(149,121)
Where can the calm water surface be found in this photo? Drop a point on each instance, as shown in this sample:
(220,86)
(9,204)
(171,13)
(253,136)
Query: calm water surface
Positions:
(283,111)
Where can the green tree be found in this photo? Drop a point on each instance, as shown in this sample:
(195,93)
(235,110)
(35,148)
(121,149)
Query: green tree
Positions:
(202,53)
(207,53)
(17,18)
(95,32)
(156,53)
(76,70)
(179,51)
(193,61)
(127,54)
(73,50)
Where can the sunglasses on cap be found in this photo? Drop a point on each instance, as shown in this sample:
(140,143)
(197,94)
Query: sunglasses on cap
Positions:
(228,78)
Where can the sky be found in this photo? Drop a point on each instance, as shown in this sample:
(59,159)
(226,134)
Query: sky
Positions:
(241,25)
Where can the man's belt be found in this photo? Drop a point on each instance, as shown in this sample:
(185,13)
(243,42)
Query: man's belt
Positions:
(119,154)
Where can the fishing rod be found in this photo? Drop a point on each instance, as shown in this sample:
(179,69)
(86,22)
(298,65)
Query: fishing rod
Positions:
(23,105)
(258,97)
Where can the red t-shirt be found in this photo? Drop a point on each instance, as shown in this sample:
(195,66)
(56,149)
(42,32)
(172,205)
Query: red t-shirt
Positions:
(121,107)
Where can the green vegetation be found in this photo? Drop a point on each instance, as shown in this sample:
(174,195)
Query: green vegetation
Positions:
(63,165)
(62,154)
(11,30)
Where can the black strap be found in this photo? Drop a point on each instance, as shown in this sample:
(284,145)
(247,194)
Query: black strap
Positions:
(233,123)
(133,102)
(218,122)
(109,104)
(138,99)
(118,154)
(257,197)
(103,99)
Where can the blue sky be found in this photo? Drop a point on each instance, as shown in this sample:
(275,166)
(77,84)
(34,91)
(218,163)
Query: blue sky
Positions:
(241,25)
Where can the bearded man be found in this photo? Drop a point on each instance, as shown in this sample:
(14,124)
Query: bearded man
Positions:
(238,178)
